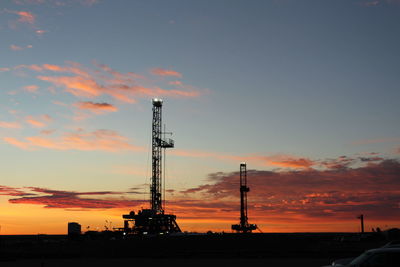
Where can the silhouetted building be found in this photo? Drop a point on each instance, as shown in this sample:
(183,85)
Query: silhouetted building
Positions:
(74,229)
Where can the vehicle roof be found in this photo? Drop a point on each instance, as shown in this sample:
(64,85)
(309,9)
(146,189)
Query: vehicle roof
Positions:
(388,249)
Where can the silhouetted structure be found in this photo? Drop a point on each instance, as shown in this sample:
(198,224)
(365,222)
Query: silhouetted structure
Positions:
(361,217)
(74,230)
(244,226)
(153,220)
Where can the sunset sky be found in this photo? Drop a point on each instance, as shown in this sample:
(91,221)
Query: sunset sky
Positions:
(306,92)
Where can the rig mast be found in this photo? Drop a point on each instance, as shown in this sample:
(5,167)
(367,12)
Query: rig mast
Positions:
(153,220)
(244,226)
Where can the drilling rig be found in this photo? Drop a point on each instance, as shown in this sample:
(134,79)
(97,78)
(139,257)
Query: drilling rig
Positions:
(154,220)
(243,226)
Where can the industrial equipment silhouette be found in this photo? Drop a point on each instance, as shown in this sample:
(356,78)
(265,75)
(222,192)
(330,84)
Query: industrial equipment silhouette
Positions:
(153,220)
(244,226)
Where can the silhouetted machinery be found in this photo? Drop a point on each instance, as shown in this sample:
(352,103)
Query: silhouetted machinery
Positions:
(361,217)
(244,226)
(153,220)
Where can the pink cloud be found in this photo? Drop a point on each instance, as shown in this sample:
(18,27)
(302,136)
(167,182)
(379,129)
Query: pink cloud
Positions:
(13,141)
(165,72)
(26,17)
(289,161)
(124,87)
(15,47)
(178,83)
(286,161)
(24,2)
(10,125)
(40,32)
(101,140)
(31,88)
(4,69)
(39,122)
(78,86)
(97,108)
(18,48)
(370,3)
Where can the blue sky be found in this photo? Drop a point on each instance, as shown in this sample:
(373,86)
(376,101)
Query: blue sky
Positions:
(271,81)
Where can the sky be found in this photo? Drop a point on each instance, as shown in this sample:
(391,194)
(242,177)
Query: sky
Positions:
(305,92)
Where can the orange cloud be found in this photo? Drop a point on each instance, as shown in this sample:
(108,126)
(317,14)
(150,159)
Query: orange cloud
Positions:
(31,88)
(17,143)
(103,140)
(78,86)
(26,17)
(286,161)
(86,83)
(39,122)
(97,108)
(124,87)
(165,72)
(10,125)
(4,69)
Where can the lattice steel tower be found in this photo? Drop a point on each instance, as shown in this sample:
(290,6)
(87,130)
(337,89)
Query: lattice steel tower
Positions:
(158,143)
(153,220)
(244,226)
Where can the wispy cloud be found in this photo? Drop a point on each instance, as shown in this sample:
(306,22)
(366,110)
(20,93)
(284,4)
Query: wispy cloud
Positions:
(166,72)
(280,160)
(57,3)
(4,69)
(40,121)
(18,48)
(375,3)
(68,199)
(31,88)
(13,141)
(26,17)
(13,191)
(40,32)
(177,83)
(87,83)
(97,108)
(101,140)
(31,2)
(10,125)
(370,3)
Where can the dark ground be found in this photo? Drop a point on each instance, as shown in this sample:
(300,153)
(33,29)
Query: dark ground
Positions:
(110,249)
